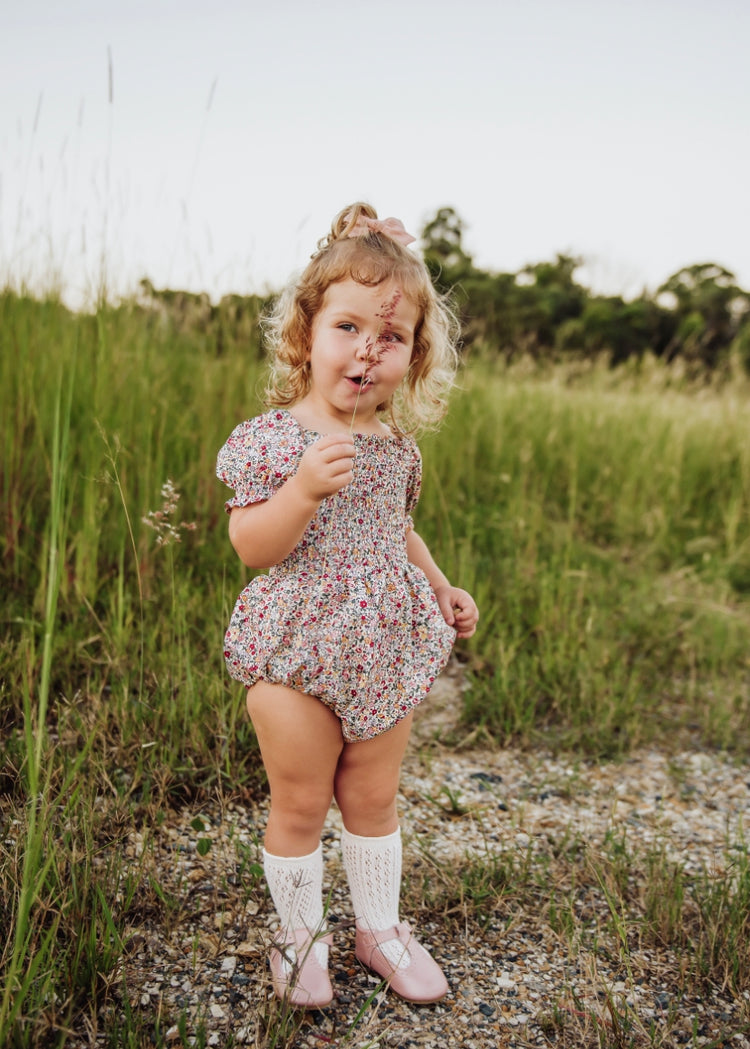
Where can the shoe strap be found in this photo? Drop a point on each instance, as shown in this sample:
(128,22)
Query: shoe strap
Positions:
(374,938)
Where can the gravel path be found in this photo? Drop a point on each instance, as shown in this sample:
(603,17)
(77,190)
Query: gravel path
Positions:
(199,941)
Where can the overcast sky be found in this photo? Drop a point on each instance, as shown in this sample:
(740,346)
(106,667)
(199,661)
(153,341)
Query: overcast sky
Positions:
(618,131)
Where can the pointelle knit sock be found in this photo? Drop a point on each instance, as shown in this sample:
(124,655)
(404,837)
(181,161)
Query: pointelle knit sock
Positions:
(373,870)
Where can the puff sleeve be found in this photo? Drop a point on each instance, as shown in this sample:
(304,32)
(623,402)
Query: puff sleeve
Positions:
(259,455)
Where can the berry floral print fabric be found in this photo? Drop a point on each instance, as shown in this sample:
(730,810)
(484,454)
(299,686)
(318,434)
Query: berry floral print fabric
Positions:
(345,617)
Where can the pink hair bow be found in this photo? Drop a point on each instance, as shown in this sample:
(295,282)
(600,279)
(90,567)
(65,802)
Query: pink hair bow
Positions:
(393,228)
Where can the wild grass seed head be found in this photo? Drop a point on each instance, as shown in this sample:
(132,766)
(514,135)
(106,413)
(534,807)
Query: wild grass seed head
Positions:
(167,530)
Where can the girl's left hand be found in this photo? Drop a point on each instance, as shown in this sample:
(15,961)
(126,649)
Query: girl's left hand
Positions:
(459,610)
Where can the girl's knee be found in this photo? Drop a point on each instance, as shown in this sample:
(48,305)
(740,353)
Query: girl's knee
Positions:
(366,804)
(300,810)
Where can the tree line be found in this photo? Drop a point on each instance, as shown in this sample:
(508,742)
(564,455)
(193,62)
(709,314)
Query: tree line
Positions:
(699,315)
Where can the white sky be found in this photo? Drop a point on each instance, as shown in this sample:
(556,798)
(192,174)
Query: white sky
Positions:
(616,130)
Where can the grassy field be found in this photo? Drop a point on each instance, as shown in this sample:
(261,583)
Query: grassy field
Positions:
(601,519)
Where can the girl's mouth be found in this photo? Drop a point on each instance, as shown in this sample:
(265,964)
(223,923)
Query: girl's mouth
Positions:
(360,380)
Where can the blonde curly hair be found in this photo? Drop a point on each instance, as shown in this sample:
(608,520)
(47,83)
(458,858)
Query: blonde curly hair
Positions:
(369,259)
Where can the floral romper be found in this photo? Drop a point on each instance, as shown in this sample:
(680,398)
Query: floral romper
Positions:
(345,616)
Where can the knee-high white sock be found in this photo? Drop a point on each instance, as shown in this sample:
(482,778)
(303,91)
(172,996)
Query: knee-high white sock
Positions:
(373,870)
(296,887)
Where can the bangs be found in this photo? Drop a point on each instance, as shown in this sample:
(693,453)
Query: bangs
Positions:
(363,260)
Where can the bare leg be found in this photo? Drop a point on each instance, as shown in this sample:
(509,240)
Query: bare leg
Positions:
(367,778)
(300,742)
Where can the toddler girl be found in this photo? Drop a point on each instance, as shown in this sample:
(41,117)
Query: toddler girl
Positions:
(347,631)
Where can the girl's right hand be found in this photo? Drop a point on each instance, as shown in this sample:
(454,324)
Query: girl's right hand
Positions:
(326,466)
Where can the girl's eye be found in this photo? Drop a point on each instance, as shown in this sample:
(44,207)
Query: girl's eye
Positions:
(390,336)
(347,326)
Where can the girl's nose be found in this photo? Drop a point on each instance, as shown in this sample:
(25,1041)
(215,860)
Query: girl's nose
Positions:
(364,346)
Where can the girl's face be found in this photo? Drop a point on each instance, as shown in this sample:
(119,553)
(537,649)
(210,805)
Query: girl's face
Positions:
(362,341)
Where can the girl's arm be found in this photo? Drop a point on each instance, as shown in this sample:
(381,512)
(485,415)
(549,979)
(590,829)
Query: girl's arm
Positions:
(458,608)
(263,534)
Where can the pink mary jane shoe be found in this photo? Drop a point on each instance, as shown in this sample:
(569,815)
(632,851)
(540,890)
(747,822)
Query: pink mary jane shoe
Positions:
(296,972)
(421,981)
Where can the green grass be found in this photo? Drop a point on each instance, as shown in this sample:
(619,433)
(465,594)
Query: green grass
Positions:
(602,522)
(606,535)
